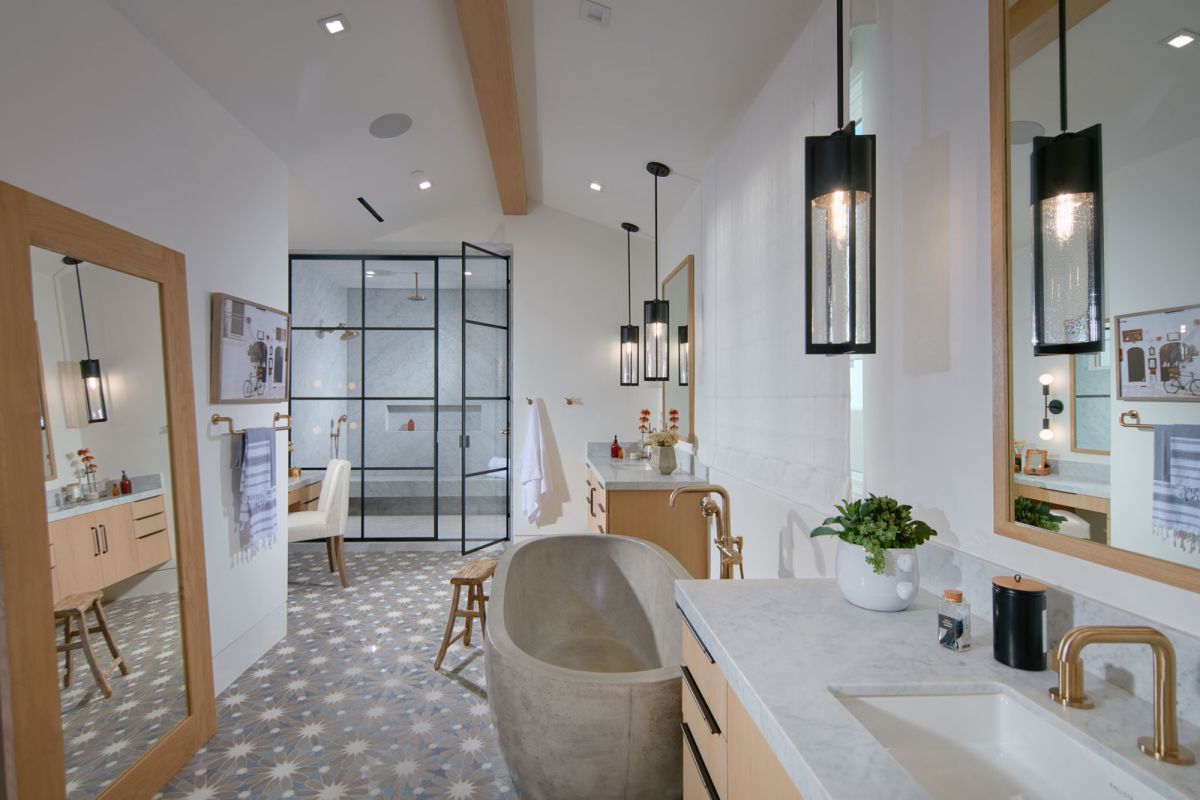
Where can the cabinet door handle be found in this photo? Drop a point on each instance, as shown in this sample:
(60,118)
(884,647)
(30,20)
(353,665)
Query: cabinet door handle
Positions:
(601,507)
(104,531)
(705,778)
(699,641)
(591,503)
(705,711)
(95,541)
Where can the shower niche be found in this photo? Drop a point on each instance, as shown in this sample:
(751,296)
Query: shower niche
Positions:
(401,365)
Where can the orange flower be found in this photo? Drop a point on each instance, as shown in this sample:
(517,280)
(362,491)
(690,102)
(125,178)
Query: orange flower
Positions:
(82,452)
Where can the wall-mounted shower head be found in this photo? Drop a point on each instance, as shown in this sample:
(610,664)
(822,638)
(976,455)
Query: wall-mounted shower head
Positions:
(416,296)
(346,333)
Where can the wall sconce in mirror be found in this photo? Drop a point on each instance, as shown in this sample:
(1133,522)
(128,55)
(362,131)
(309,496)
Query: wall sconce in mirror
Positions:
(839,233)
(1068,231)
(89,368)
(683,355)
(1048,406)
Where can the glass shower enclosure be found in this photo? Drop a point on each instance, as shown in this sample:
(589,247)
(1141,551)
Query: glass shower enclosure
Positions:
(401,364)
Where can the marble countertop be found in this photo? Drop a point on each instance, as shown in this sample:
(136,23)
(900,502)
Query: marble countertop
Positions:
(144,487)
(302,481)
(625,475)
(783,645)
(1075,484)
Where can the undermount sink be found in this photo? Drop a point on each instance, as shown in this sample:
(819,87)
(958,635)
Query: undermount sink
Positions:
(988,746)
(641,466)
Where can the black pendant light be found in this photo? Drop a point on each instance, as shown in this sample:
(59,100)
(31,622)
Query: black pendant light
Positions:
(629,331)
(1068,231)
(657,312)
(683,355)
(839,234)
(89,368)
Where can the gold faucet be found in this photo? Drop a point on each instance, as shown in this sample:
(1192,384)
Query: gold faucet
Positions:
(729,546)
(1164,745)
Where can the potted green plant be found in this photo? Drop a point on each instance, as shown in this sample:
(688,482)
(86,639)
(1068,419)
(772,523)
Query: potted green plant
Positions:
(1039,515)
(876,565)
(662,450)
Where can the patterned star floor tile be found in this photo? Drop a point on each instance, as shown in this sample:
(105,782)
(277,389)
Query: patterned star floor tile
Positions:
(348,705)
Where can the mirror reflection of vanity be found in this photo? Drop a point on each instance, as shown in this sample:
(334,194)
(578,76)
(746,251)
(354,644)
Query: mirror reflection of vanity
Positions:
(1112,418)
(112,550)
(678,392)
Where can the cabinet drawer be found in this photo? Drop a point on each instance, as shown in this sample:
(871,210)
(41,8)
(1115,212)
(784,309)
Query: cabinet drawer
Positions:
(149,525)
(148,507)
(152,550)
(706,678)
(697,781)
(710,746)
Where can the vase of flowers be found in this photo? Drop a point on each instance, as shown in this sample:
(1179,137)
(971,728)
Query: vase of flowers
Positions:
(662,451)
(876,558)
(83,463)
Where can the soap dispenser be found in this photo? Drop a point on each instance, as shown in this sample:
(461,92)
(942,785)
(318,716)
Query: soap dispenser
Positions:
(614,450)
(126,484)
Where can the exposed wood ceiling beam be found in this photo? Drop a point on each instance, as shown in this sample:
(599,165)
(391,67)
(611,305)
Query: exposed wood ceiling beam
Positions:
(484,26)
(1033,24)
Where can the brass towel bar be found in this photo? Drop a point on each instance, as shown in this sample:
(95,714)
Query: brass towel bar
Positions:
(217,419)
(1135,421)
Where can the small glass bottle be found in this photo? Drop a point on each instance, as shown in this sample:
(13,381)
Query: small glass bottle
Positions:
(954,621)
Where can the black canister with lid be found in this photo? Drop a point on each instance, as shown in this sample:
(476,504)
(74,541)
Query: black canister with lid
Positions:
(1019,622)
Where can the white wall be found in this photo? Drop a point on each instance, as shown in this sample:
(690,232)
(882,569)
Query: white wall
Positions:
(568,303)
(101,121)
(928,389)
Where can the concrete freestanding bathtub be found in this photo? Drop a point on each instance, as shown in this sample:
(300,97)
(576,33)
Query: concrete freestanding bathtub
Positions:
(582,660)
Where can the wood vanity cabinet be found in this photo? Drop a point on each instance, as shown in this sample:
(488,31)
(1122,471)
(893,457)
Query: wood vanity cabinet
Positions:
(94,550)
(725,756)
(645,514)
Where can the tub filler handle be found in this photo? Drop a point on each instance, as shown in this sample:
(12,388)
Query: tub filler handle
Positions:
(699,641)
(705,778)
(705,711)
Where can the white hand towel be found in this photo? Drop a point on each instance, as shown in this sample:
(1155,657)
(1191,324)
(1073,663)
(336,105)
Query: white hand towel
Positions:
(535,479)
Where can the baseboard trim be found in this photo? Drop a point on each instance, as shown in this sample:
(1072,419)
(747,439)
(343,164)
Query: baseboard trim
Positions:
(242,652)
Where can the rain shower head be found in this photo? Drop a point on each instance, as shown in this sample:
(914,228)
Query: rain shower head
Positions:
(416,296)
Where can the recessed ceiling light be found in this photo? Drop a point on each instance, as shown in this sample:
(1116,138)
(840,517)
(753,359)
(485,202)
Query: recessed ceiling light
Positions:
(1181,38)
(389,126)
(424,184)
(596,187)
(335,24)
(595,12)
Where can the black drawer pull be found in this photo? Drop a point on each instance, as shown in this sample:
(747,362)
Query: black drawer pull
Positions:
(705,778)
(699,641)
(699,698)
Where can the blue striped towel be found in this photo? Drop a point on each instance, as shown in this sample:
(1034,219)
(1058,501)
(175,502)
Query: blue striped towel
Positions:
(1176,508)
(255,459)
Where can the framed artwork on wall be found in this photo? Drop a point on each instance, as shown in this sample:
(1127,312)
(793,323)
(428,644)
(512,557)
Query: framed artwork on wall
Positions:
(1159,355)
(251,352)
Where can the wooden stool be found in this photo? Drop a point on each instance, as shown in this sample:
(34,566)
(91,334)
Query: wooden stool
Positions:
(75,607)
(472,575)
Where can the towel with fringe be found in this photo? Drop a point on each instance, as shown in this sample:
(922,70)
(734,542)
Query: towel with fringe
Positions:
(255,460)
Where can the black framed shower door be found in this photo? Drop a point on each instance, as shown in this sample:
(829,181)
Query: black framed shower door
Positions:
(381,356)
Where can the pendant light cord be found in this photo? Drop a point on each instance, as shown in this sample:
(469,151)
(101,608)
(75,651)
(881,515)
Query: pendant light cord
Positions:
(628,277)
(841,88)
(1062,63)
(656,235)
(82,313)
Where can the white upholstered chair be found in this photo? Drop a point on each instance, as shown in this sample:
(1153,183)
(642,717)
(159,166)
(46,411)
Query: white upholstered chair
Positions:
(328,522)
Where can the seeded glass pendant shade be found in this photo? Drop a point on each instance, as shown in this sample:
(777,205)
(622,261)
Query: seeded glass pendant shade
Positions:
(683,355)
(1068,231)
(656,312)
(839,232)
(629,331)
(89,368)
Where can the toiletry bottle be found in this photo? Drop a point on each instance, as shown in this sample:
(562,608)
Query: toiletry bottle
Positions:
(126,484)
(954,621)
(615,449)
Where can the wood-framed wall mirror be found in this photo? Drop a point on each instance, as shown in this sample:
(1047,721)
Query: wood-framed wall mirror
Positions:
(679,393)
(1118,421)
(108,667)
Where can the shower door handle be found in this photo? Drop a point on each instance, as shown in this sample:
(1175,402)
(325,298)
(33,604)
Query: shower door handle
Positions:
(464,440)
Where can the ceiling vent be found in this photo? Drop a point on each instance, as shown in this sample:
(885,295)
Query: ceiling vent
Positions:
(595,12)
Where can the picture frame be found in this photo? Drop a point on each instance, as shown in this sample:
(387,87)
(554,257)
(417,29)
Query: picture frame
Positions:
(1037,462)
(1158,355)
(250,352)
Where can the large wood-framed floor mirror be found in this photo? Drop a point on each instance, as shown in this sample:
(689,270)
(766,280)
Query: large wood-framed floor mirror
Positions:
(105,655)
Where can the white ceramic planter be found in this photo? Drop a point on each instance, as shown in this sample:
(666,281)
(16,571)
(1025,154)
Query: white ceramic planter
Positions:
(894,590)
(663,459)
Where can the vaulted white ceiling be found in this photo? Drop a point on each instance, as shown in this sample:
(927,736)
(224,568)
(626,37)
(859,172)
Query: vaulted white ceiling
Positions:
(665,80)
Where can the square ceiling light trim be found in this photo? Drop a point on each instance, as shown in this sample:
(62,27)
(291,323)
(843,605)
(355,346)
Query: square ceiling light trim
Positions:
(335,24)
(1181,38)
(595,12)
